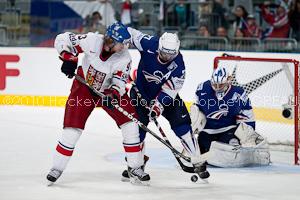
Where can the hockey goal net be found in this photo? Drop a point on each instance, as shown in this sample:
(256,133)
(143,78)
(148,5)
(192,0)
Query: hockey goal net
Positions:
(272,86)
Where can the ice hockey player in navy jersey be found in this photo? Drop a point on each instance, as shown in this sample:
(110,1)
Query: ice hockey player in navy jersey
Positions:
(223,117)
(160,76)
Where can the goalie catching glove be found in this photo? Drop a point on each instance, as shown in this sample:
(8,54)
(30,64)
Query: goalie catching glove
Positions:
(69,64)
(247,135)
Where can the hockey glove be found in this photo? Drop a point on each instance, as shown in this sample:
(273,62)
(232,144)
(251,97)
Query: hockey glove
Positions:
(69,64)
(155,110)
(112,97)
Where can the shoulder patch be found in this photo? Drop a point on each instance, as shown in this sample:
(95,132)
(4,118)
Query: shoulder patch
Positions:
(244,96)
(200,87)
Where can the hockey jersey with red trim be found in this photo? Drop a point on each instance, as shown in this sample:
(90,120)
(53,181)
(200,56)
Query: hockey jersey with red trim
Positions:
(100,71)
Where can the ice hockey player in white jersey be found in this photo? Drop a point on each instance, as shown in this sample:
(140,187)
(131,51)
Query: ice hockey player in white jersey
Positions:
(160,76)
(223,117)
(105,66)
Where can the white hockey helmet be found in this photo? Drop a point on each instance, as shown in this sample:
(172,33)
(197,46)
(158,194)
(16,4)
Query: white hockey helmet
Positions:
(220,80)
(168,46)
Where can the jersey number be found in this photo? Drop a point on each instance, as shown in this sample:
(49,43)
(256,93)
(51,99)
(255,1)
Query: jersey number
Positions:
(81,37)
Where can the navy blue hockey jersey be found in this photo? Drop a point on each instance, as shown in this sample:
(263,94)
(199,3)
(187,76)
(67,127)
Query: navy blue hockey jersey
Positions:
(226,113)
(156,80)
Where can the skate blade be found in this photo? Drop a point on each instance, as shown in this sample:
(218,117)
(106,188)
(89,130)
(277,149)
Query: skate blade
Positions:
(137,182)
(125,179)
(204,180)
(49,183)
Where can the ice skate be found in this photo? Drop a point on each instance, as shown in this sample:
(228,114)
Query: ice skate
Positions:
(53,175)
(138,176)
(125,176)
(200,169)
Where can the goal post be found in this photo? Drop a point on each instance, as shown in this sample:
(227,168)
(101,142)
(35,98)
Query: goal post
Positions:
(272,85)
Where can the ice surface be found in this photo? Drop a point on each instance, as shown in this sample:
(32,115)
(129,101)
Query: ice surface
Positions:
(28,136)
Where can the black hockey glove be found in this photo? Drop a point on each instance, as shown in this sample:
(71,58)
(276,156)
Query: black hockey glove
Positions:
(69,64)
(68,68)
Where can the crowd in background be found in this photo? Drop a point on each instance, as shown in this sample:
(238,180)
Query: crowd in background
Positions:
(227,19)
(269,19)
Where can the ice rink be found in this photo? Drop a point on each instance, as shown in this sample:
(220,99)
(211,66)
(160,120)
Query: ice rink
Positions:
(28,137)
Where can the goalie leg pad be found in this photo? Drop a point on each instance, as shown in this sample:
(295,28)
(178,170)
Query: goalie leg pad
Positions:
(225,155)
(261,154)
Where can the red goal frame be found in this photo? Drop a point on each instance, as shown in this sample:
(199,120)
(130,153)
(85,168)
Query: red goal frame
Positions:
(296,90)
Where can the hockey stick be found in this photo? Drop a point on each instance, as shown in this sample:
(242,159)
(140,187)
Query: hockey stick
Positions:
(184,167)
(132,118)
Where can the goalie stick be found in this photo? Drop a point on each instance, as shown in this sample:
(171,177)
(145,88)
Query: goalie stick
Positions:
(135,120)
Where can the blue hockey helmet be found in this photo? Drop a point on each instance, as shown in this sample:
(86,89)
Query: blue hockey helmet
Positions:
(119,33)
(220,80)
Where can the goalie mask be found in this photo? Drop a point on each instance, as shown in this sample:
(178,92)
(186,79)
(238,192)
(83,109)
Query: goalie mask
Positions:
(168,46)
(220,81)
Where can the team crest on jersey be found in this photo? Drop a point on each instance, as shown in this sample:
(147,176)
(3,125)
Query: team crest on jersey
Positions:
(223,111)
(156,77)
(236,97)
(95,78)
(172,66)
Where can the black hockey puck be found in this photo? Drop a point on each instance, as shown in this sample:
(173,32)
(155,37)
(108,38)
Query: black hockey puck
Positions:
(194,178)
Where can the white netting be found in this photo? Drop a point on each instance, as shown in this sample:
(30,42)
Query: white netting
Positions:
(270,85)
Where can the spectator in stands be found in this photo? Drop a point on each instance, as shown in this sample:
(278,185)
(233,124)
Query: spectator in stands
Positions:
(107,11)
(278,21)
(219,9)
(220,44)
(181,13)
(222,32)
(96,23)
(247,4)
(87,23)
(203,31)
(238,33)
(241,15)
(252,29)
(285,3)
(135,14)
(238,44)
(126,13)
(294,17)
